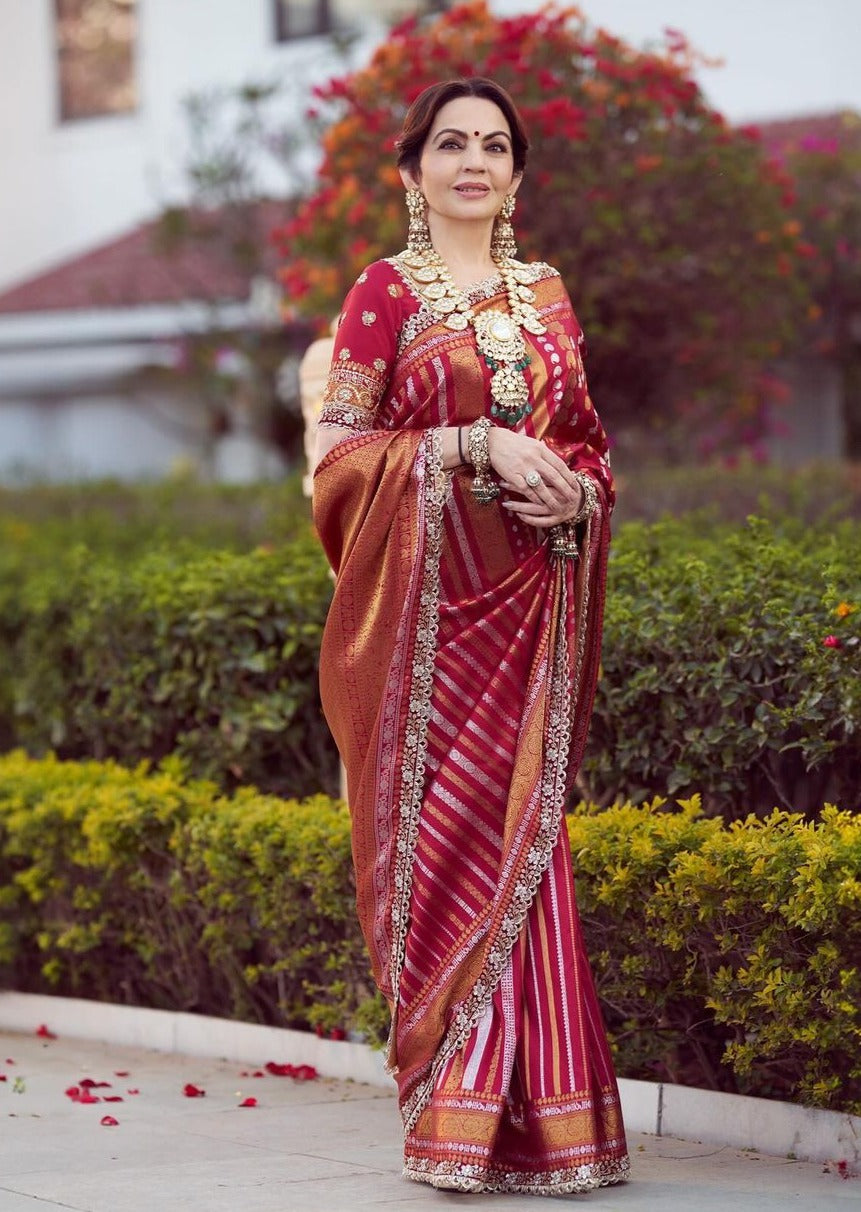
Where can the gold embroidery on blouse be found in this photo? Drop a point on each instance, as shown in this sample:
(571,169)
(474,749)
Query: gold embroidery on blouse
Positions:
(352,394)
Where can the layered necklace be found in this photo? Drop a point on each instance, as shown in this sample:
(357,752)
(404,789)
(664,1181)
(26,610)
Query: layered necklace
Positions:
(498,334)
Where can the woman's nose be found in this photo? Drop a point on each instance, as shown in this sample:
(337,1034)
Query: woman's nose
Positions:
(475,157)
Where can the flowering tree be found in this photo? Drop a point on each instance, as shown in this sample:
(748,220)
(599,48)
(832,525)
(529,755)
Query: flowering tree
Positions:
(825,165)
(671,230)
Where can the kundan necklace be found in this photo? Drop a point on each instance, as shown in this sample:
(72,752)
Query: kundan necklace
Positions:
(498,334)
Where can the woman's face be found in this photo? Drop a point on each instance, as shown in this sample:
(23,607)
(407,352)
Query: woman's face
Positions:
(467,165)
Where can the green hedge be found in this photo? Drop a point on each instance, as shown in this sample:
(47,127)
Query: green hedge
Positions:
(726,956)
(715,674)
(209,655)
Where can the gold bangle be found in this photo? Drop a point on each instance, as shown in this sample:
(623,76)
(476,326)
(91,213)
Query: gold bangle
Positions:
(484,487)
(590,497)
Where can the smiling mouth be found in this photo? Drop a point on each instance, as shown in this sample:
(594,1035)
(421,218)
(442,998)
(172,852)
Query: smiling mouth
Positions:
(472,189)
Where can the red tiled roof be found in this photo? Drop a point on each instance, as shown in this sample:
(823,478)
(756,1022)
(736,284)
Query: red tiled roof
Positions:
(139,268)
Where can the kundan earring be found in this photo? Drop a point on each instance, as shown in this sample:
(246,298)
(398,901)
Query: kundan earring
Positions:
(418,235)
(503,244)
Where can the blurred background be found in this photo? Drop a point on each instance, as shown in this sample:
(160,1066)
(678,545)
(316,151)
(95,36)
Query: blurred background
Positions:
(149,322)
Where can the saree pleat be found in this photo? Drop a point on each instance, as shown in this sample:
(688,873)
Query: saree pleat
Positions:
(457,672)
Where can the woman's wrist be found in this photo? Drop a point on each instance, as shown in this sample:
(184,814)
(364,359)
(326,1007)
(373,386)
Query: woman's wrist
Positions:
(589,498)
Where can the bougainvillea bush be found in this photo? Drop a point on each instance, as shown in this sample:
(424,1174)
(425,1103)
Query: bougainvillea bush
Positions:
(825,164)
(672,231)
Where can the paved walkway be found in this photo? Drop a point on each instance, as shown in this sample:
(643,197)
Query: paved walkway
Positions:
(320,1146)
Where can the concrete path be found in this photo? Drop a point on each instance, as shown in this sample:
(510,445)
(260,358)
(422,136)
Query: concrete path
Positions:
(315,1146)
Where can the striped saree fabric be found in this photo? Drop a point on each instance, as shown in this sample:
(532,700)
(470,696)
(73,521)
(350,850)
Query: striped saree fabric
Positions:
(457,674)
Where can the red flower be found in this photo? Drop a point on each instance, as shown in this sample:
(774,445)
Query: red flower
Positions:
(832,641)
(108,1121)
(192,1091)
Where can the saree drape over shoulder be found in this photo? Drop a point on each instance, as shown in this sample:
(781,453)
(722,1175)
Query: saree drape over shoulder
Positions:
(457,674)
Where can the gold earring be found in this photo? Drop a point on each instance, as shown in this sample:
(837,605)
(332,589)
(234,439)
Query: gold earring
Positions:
(418,235)
(503,244)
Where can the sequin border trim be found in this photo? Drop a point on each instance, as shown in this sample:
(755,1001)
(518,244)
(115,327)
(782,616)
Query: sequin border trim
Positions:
(418,714)
(461,1176)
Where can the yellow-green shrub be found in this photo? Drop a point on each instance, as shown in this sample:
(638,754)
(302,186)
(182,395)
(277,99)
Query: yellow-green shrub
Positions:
(726,956)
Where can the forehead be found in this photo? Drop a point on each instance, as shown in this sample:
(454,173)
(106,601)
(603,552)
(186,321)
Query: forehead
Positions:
(470,114)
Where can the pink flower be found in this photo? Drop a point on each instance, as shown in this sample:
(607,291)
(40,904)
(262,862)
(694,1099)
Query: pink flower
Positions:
(832,641)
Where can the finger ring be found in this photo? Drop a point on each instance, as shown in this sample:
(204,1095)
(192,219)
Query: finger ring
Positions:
(533,478)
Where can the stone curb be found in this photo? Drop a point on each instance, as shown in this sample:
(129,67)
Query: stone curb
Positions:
(732,1120)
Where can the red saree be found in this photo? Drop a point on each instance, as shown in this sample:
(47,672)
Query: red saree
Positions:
(457,673)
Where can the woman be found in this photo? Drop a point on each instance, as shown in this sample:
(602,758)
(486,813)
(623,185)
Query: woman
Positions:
(462,495)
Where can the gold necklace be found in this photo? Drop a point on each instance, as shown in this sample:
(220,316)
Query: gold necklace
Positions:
(498,334)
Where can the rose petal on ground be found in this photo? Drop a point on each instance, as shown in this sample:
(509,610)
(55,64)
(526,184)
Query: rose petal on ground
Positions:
(108,1121)
(192,1091)
(112,1098)
(134,1091)
(122,1072)
(248,1102)
(44,1033)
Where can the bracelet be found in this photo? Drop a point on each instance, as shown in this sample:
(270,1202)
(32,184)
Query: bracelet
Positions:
(460,443)
(484,488)
(590,497)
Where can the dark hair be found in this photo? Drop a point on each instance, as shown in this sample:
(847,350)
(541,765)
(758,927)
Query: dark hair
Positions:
(421,114)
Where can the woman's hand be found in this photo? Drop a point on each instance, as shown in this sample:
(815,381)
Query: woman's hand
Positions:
(516,459)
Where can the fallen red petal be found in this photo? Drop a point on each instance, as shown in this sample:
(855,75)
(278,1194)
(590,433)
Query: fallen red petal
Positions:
(43,1032)
(108,1121)
(258,1073)
(135,1091)
(122,1072)
(73,1092)
(9,1060)
(192,1091)
(301,1073)
(112,1098)
(248,1102)
(3,1077)
(88,1098)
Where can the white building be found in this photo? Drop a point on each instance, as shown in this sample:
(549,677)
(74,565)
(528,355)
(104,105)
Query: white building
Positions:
(92,147)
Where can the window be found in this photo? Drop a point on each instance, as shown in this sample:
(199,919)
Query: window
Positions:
(304,18)
(95,56)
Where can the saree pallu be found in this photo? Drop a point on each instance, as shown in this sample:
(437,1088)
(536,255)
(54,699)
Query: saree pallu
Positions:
(457,673)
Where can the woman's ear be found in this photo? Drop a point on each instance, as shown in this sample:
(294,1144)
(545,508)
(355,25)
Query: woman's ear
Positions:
(516,182)
(410,180)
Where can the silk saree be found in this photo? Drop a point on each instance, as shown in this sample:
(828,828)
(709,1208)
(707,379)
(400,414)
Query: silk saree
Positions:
(457,674)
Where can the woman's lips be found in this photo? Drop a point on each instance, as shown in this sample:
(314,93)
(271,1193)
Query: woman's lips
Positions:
(472,189)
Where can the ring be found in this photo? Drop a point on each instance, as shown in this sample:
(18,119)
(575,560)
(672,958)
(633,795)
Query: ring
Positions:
(533,478)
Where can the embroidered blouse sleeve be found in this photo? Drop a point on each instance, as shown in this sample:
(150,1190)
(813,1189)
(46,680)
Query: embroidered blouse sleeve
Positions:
(363,357)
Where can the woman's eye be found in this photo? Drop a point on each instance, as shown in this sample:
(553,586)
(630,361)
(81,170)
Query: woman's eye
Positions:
(497,147)
(450,143)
